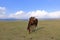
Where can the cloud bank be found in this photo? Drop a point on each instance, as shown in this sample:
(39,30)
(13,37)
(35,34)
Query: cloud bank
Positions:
(24,15)
(38,14)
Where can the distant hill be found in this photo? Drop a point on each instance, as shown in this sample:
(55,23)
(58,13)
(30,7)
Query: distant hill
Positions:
(13,19)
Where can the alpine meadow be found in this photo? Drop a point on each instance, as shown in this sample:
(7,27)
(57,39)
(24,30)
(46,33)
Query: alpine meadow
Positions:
(17,30)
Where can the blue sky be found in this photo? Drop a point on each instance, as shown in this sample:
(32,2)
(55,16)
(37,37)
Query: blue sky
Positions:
(29,5)
(22,8)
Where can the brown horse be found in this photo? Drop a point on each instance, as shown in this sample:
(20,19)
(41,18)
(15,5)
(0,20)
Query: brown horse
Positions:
(32,24)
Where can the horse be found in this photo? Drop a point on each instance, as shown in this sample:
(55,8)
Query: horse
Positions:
(32,24)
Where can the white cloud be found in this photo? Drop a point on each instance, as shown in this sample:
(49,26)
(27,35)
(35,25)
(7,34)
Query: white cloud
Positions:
(2,12)
(24,15)
(37,14)
(45,14)
(55,14)
(17,15)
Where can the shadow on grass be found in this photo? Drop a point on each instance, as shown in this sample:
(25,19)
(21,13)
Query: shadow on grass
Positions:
(39,28)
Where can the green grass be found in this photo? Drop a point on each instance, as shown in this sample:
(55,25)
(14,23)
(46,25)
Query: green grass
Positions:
(46,30)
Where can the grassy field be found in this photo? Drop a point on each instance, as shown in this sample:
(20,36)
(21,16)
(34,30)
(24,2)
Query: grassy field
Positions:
(46,30)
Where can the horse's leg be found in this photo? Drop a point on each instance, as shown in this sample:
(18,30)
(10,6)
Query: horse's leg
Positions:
(34,28)
(30,30)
